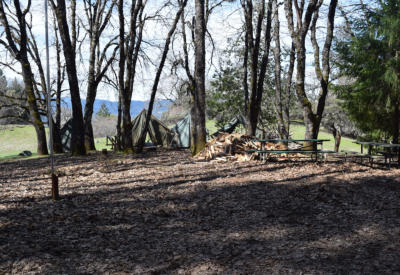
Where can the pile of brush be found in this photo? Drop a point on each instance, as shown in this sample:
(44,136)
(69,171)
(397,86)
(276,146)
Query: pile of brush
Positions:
(237,147)
(233,147)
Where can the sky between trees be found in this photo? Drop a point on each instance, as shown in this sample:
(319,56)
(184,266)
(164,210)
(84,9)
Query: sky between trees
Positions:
(225,23)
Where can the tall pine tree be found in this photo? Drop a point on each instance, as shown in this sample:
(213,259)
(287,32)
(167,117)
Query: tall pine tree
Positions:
(370,59)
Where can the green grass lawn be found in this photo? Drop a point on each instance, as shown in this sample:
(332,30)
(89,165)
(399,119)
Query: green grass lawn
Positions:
(210,125)
(297,131)
(17,138)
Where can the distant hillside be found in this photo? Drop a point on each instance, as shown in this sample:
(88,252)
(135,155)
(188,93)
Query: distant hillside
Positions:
(136,106)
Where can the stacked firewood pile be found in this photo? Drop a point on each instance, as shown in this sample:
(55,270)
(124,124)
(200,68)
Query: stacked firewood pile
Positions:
(234,147)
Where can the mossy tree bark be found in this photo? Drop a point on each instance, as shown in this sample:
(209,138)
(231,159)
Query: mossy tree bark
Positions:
(312,120)
(21,55)
(34,53)
(199,135)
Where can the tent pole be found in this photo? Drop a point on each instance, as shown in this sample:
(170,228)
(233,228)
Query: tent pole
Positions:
(54,178)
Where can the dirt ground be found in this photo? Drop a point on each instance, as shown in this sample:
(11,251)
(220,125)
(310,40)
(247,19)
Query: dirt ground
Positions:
(163,213)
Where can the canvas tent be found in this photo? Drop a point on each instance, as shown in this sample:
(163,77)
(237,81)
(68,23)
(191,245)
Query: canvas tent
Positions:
(66,132)
(158,132)
(182,132)
(231,125)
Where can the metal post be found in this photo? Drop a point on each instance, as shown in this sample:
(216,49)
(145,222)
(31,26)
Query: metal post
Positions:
(54,178)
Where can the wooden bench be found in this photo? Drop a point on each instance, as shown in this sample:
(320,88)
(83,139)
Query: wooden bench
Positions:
(388,156)
(361,157)
(312,152)
(353,154)
(111,141)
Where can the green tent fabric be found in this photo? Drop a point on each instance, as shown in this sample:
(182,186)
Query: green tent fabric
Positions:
(182,132)
(158,132)
(66,132)
(231,125)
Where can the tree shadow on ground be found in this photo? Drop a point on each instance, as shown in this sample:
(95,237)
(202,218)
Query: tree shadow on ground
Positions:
(316,222)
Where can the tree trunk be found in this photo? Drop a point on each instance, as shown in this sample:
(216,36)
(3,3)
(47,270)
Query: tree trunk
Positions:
(126,126)
(288,93)
(129,50)
(57,143)
(118,147)
(87,118)
(33,109)
(337,136)
(21,55)
(77,137)
(90,96)
(245,72)
(157,78)
(256,76)
(298,35)
(198,114)
(396,118)
(323,73)
(279,100)
(97,24)
(253,47)
(121,78)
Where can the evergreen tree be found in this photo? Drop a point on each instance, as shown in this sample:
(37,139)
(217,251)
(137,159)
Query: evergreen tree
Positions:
(226,97)
(103,111)
(370,59)
(3,82)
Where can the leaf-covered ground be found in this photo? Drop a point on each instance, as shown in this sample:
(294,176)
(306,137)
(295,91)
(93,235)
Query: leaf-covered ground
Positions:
(163,213)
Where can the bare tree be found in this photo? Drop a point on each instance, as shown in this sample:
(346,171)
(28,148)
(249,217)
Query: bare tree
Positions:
(199,135)
(40,87)
(59,79)
(197,97)
(112,80)
(128,56)
(17,44)
(69,46)
(98,16)
(324,72)
(158,74)
(312,120)
(253,46)
(282,92)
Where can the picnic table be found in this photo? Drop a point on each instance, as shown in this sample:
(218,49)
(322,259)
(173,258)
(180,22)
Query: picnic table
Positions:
(309,149)
(388,154)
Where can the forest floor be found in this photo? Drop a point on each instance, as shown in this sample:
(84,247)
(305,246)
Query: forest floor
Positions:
(163,213)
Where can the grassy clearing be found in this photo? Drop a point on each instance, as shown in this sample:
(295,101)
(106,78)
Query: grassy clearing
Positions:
(297,131)
(210,125)
(17,138)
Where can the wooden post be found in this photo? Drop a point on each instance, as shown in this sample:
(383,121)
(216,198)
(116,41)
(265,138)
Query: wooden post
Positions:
(398,155)
(54,187)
